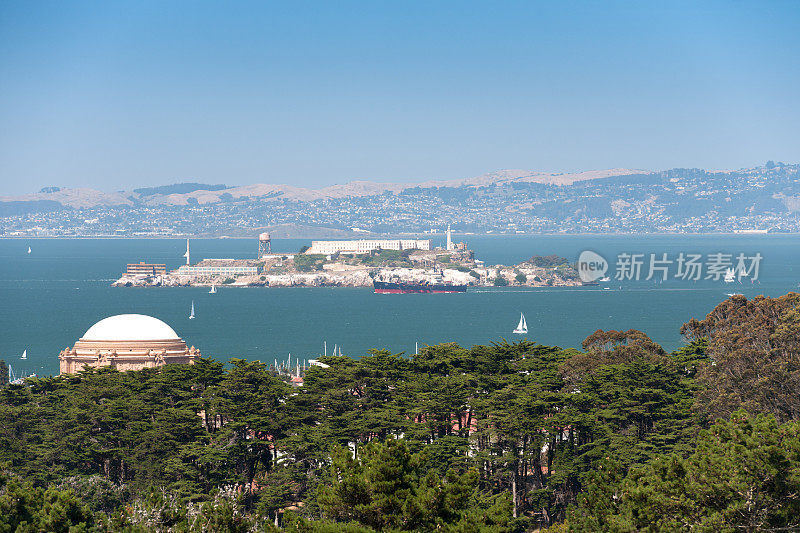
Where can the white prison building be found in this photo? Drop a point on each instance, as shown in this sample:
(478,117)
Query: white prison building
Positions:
(366,246)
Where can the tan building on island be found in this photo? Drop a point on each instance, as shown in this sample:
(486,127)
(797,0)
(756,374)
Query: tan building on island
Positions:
(146,269)
(365,246)
(127,342)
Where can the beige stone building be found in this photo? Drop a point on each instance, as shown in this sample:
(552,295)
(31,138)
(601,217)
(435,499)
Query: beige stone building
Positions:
(127,342)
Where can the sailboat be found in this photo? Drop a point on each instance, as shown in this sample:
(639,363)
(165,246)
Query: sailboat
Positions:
(191,315)
(730,276)
(24,355)
(29,249)
(522,327)
(213,289)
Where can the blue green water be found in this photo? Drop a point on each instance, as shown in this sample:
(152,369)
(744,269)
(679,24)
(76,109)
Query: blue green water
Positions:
(50,297)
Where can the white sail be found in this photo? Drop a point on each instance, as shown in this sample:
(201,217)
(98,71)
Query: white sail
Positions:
(191,315)
(29,249)
(522,327)
(730,276)
(24,355)
(213,289)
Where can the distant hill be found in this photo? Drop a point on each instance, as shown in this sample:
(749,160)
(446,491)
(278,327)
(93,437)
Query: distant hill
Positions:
(73,198)
(178,188)
(765,198)
(201,194)
(296,231)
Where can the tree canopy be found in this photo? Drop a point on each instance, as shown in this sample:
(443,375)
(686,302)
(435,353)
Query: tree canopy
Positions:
(501,437)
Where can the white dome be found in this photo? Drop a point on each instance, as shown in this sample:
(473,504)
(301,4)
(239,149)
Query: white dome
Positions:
(130,328)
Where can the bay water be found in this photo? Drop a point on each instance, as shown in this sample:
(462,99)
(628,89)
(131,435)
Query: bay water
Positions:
(50,297)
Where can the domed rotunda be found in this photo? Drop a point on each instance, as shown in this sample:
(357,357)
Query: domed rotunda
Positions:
(127,342)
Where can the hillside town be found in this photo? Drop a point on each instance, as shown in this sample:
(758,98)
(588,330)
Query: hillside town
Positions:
(762,199)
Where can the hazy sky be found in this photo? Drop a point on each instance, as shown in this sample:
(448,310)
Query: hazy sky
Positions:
(114,95)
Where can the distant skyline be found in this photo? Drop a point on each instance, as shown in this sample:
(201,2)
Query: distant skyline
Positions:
(122,95)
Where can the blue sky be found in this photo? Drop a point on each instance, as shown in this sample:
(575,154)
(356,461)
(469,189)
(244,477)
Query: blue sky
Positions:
(116,95)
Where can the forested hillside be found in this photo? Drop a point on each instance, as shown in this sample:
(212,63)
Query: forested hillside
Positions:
(619,436)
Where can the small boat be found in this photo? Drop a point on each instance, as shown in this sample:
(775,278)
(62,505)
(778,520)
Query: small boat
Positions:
(522,327)
(29,249)
(24,355)
(604,279)
(734,294)
(191,315)
(213,290)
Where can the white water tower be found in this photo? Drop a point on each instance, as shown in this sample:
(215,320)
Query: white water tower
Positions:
(264,244)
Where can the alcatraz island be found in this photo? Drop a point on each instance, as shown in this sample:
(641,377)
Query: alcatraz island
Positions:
(354,263)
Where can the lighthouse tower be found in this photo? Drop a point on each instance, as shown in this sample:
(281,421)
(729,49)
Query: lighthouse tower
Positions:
(449,238)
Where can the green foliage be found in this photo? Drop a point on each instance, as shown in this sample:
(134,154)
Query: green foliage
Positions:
(474,274)
(462,268)
(383,488)
(500,281)
(521,278)
(24,507)
(755,347)
(547,261)
(194,430)
(309,262)
(100,494)
(161,511)
(228,281)
(303,249)
(742,476)
(452,438)
(153,427)
(387,258)
(443,258)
